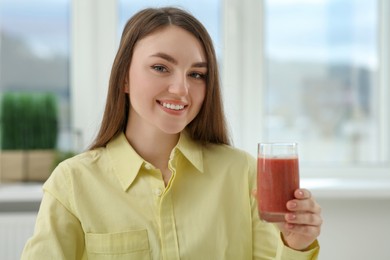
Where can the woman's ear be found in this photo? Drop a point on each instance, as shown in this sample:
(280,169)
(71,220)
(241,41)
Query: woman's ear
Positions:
(126,87)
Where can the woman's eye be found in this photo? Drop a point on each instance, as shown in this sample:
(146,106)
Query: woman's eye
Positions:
(197,75)
(159,68)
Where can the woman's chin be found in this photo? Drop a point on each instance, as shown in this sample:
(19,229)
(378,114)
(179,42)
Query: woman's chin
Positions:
(172,129)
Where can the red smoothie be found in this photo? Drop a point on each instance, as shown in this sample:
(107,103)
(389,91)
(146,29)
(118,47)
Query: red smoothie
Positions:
(277,179)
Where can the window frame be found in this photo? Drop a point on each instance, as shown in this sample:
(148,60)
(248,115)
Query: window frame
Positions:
(94,43)
(245,111)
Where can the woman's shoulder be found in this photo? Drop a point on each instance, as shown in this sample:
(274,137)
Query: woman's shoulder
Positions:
(85,158)
(77,169)
(86,161)
(224,148)
(228,153)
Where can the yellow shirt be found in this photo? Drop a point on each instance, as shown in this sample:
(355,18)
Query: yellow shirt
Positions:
(110,203)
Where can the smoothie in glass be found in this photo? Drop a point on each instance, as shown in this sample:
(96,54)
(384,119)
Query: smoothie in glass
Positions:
(277,179)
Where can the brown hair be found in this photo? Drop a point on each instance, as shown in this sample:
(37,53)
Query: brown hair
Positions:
(209,126)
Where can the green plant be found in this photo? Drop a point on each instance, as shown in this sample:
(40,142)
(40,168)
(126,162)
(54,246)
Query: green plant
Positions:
(29,121)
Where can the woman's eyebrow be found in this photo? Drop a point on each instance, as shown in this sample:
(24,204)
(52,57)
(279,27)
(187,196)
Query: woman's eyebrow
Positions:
(165,56)
(200,64)
(172,60)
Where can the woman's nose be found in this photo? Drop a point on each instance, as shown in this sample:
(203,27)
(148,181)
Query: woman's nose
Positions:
(179,85)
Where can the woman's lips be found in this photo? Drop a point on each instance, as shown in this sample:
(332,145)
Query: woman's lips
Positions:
(173,105)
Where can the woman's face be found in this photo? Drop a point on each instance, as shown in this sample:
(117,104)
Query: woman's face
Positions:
(166,81)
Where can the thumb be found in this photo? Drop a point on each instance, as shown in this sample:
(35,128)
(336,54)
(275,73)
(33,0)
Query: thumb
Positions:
(254,192)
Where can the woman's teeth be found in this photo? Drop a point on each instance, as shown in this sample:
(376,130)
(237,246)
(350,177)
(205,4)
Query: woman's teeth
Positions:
(172,106)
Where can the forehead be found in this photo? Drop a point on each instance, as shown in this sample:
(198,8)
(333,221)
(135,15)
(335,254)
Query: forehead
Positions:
(172,40)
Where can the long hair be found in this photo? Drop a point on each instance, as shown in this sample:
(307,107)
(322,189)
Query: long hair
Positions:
(209,126)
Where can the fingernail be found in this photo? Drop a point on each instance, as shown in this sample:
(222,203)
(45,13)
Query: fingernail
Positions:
(291,216)
(291,205)
(300,193)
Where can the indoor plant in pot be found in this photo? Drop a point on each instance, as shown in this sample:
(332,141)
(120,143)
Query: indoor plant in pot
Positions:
(28,134)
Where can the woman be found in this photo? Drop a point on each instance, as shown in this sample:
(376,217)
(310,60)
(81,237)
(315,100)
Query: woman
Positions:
(161,180)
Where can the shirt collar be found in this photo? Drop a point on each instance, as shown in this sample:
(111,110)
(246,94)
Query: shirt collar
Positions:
(127,162)
(191,150)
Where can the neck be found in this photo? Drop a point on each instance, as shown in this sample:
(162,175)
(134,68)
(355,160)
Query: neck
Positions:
(152,145)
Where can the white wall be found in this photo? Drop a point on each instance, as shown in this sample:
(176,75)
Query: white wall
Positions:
(15,229)
(355,229)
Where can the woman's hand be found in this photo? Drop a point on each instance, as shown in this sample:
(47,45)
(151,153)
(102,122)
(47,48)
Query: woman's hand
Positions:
(303,223)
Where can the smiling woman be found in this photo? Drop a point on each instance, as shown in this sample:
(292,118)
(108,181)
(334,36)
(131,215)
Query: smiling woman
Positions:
(165,176)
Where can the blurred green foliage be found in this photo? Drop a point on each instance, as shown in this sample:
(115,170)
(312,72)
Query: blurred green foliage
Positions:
(29,121)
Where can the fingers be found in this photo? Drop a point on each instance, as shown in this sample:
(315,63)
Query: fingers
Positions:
(302,194)
(305,214)
(309,205)
(303,202)
(304,218)
(303,223)
(304,230)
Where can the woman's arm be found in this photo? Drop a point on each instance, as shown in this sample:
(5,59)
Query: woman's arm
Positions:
(57,235)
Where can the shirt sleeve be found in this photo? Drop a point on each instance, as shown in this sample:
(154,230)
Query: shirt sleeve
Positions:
(267,241)
(58,233)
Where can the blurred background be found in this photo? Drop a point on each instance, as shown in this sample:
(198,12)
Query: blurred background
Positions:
(316,72)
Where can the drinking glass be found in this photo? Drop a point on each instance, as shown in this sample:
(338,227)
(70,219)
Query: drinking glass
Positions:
(277,179)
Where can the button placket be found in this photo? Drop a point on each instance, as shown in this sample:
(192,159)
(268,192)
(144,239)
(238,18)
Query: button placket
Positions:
(157,186)
(158,192)
(169,240)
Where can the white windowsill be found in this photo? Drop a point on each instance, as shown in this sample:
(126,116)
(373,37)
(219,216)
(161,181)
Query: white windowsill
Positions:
(20,192)
(322,188)
(343,188)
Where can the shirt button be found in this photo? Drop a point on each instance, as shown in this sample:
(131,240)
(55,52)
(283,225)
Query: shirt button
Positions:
(158,192)
(148,166)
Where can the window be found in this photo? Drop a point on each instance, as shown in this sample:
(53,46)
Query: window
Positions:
(34,53)
(322,65)
(320,71)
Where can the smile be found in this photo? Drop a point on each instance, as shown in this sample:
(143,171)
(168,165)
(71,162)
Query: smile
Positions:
(173,106)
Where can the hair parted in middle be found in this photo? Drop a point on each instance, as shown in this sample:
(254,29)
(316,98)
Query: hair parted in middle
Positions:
(209,126)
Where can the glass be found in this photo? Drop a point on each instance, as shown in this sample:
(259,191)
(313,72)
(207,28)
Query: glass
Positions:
(277,179)
(322,60)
